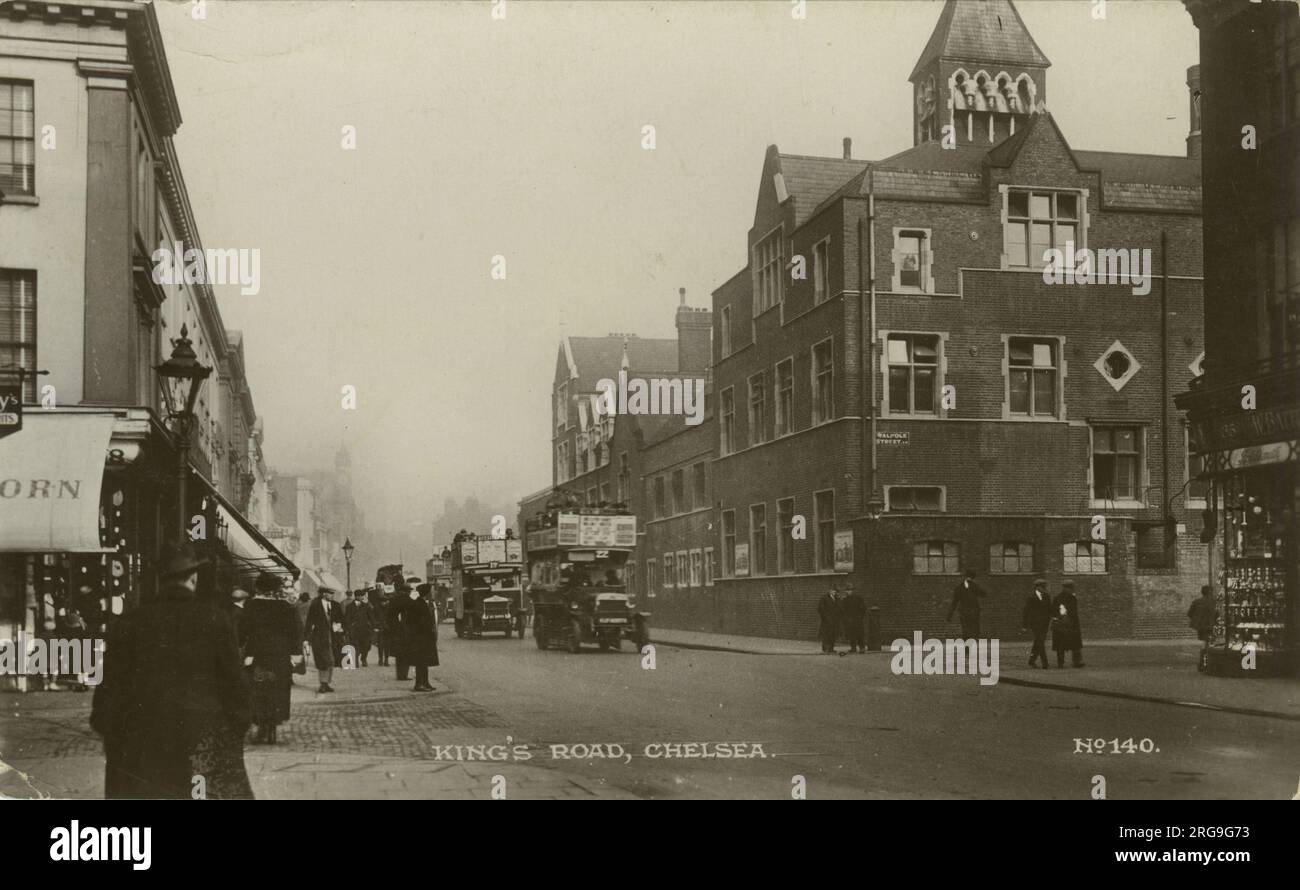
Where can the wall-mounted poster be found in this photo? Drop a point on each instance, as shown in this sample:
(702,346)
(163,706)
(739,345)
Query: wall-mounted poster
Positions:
(742,560)
(844,551)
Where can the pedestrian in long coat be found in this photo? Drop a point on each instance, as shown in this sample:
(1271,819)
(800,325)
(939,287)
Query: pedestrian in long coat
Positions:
(324,631)
(1036,618)
(1203,614)
(828,611)
(1067,636)
(360,620)
(853,612)
(379,612)
(173,705)
(272,642)
(420,634)
(966,602)
(396,633)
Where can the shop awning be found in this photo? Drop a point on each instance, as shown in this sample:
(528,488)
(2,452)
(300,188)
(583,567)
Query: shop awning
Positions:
(246,544)
(313,580)
(51,475)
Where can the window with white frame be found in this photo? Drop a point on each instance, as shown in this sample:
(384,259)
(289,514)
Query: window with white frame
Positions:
(17,137)
(1084,558)
(18,328)
(785,397)
(758,539)
(728,543)
(708,567)
(823,382)
(1039,221)
(757,409)
(914,498)
(683,569)
(913,373)
(1116,463)
(936,558)
(670,572)
(912,261)
(651,577)
(727,421)
(821,271)
(769,271)
(724,331)
(785,536)
(697,568)
(1033,377)
(1011,558)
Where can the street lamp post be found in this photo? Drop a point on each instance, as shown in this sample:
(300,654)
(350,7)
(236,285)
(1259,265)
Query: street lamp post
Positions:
(347,558)
(180,378)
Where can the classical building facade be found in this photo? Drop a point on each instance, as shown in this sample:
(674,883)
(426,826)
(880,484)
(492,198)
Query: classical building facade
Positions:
(90,187)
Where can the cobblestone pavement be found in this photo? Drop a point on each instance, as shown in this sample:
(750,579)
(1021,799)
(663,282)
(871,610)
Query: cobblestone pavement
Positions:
(835,727)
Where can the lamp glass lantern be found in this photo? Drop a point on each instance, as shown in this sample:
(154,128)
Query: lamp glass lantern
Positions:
(181,377)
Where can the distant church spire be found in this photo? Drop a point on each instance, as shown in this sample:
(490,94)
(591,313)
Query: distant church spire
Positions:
(981,74)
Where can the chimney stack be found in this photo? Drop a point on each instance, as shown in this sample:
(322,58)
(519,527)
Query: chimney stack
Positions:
(848,149)
(1194,98)
(694,336)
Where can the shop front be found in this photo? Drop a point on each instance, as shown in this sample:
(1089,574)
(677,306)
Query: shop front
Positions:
(87,503)
(1252,458)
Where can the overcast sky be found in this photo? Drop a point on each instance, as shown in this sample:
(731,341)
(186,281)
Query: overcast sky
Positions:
(522,137)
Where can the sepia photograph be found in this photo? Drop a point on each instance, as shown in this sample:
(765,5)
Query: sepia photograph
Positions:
(894,400)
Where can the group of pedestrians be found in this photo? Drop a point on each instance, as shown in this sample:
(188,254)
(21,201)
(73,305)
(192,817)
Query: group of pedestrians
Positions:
(842,613)
(404,627)
(1041,614)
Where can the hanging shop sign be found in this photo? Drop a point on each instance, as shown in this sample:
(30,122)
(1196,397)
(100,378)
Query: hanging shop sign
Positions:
(11,409)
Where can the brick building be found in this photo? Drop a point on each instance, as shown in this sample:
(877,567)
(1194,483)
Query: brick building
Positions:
(895,377)
(598,456)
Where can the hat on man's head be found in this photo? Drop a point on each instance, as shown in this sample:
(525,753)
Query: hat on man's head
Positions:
(1068,584)
(1040,582)
(178,560)
(422,589)
(267,583)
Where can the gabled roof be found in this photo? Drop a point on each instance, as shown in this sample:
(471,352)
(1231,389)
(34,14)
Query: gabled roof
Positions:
(595,358)
(988,31)
(810,180)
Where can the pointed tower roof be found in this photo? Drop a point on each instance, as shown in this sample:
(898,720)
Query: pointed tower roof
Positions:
(989,31)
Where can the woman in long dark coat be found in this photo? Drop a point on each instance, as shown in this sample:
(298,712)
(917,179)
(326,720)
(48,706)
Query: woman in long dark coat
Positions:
(272,637)
(1067,635)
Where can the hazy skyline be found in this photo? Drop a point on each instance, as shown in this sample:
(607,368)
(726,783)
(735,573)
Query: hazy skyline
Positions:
(477,137)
